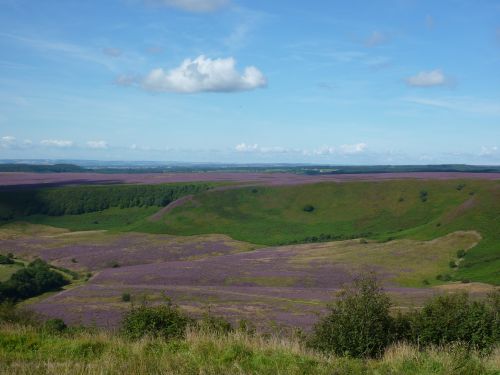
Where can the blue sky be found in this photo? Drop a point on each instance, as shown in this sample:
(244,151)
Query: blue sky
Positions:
(341,82)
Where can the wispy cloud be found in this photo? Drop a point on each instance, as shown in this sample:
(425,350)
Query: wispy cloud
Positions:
(112,52)
(376,38)
(61,143)
(429,22)
(68,49)
(199,6)
(460,104)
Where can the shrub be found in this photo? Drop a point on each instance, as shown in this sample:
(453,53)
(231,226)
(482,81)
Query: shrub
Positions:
(5,259)
(55,326)
(453,264)
(358,323)
(308,208)
(126,297)
(165,321)
(11,313)
(453,318)
(460,253)
(424,195)
(246,327)
(214,324)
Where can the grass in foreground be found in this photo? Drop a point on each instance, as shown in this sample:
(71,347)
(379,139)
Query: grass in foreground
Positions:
(25,350)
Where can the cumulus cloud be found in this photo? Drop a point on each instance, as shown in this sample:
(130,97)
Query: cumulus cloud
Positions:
(112,52)
(56,143)
(97,144)
(489,151)
(195,5)
(347,149)
(205,75)
(353,149)
(375,38)
(243,147)
(428,79)
(7,141)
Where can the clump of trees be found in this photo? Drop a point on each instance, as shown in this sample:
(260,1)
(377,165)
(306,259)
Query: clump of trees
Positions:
(33,280)
(7,259)
(83,199)
(359,322)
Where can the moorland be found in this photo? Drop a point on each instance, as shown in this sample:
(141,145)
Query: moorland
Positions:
(268,248)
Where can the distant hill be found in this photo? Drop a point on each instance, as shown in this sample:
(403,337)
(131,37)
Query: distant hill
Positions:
(134,168)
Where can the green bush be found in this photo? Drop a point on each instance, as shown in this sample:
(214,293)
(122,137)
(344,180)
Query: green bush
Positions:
(308,208)
(358,323)
(165,321)
(454,318)
(6,259)
(460,253)
(11,313)
(126,297)
(424,195)
(55,326)
(214,324)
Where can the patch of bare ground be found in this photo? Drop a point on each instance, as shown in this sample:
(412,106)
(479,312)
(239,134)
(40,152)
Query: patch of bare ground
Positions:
(474,288)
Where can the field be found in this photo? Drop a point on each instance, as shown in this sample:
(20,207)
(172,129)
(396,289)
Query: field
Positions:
(273,249)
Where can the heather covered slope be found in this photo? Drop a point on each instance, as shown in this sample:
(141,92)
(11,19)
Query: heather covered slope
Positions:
(419,209)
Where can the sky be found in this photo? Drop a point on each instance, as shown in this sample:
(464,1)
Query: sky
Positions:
(333,82)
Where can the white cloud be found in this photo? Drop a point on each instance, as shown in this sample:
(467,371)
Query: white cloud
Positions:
(488,151)
(353,149)
(205,75)
(243,147)
(97,144)
(428,79)
(356,148)
(56,143)
(375,38)
(195,5)
(7,141)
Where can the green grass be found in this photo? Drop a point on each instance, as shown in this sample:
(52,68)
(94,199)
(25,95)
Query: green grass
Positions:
(380,210)
(25,350)
(6,270)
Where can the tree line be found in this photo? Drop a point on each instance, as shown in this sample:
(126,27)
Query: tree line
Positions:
(83,199)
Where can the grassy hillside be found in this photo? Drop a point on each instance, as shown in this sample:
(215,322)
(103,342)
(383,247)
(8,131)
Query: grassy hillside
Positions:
(384,210)
(25,350)
(381,210)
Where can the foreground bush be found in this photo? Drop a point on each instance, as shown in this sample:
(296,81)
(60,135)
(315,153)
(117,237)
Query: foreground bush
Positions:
(454,318)
(165,321)
(358,323)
